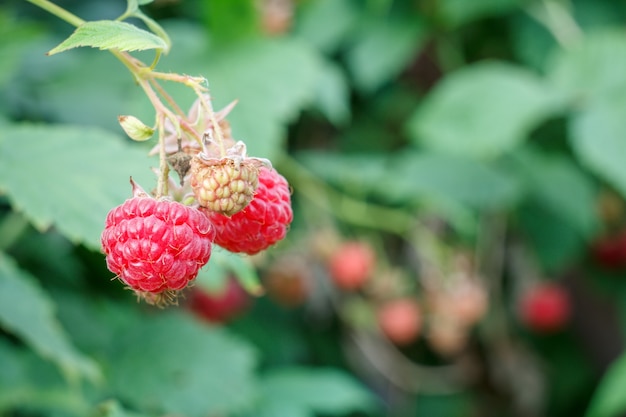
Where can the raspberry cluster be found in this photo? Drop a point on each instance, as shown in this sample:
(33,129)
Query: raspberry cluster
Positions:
(156,246)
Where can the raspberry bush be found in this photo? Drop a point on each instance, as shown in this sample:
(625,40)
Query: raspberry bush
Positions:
(339,208)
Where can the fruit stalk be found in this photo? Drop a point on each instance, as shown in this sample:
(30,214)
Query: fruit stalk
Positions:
(59,12)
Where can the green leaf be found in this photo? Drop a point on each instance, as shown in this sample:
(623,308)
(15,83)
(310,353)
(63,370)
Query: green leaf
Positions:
(134,4)
(412,177)
(109,34)
(456,404)
(316,14)
(555,242)
(290,73)
(453,178)
(382,51)
(16,35)
(131,7)
(558,184)
(27,380)
(112,408)
(598,138)
(156,28)
(171,363)
(95,322)
(592,15)
(483,111)
(231,20)
(73,97)
(609,399)
(225,264)
(357,172)
(320,390)
(27,312)
(592,68)
(48,255)
(333,94)
(69,176)
(282,410)
(458,12)
(532,43)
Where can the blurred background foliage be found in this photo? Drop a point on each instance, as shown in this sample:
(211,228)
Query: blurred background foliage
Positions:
(464,155)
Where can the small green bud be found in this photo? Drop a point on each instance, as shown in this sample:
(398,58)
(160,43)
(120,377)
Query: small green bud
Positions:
(135,129)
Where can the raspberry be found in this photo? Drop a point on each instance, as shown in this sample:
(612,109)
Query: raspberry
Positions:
(223,185)
(610,251)
(219,307)
(400,320)
(351,265)
(156,247)
(261,223)
(545,308)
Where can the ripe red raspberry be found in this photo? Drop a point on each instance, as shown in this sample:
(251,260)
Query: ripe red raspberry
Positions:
(545,308)
(261,223)
(156,247)
(351,265)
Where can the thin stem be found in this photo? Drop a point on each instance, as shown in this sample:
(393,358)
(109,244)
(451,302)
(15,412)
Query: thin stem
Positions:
(156,59)
(164,169)
(144,81)
(167,97)
(209,110)
(493,257)
(555,17)
(59,12)
(146,78)
(189,81)
(190,130)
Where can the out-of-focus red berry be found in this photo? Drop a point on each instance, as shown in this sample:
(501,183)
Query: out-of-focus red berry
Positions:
(545,308)
(219,307)
(610,251)
(287,280)
(351,265)
(400,320)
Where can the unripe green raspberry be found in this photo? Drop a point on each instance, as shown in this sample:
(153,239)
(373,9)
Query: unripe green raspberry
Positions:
(224,185)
